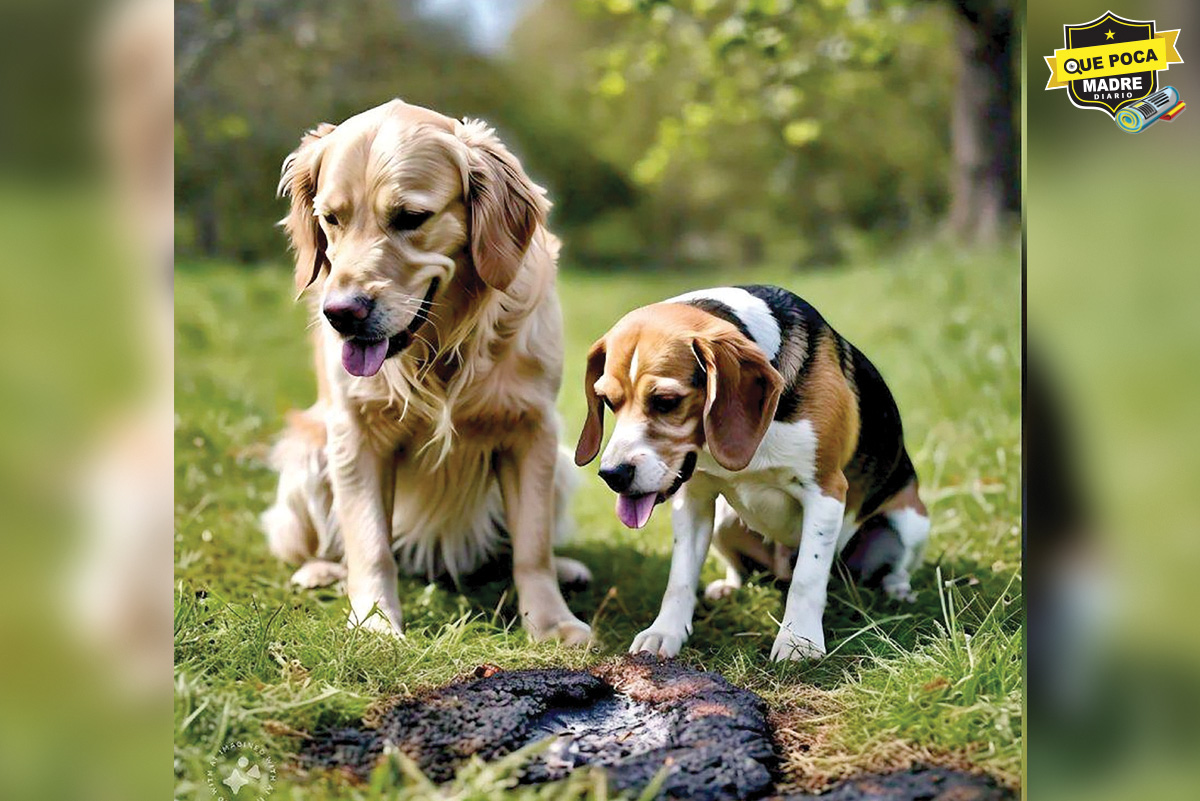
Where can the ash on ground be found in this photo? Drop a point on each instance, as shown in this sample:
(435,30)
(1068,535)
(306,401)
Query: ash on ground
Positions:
(917,784)
(630,717)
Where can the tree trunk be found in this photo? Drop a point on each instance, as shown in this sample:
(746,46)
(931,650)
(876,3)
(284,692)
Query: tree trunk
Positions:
(985,169)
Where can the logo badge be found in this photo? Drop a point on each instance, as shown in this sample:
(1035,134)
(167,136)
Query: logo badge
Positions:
(1111,64)
(241,771)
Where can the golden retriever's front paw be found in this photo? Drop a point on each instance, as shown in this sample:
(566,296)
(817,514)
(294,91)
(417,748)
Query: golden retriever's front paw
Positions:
(319,573)
(574,633)
(378,625)
(569,631)
(572,573)
(375,619)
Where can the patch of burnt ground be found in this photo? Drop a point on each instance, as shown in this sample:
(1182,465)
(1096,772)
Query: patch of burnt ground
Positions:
(631,717)
(917,784)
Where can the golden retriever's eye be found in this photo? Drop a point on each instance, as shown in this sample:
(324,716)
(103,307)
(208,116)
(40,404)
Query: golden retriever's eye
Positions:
(405,220)
(664,404)
(331,219)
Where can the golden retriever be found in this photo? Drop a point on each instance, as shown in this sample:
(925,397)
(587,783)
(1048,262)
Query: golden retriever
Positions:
(439,357)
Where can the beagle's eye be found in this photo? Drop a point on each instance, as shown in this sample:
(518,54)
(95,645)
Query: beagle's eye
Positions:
(405,220)
(331,219)
(664,404)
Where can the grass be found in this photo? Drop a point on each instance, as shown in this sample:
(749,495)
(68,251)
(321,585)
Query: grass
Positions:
(936,681)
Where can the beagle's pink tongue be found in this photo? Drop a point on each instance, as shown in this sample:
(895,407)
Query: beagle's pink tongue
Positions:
(363,358)
(634,510)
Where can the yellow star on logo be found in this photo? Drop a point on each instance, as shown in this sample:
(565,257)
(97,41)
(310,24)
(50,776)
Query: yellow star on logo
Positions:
(1108,34)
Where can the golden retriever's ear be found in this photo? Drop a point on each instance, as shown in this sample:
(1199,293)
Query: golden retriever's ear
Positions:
(743,392)
(298,181)
(504,207)
(593,426)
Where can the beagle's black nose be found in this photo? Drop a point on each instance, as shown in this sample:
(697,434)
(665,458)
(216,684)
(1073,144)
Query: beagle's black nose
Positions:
(618,478)
(345,312)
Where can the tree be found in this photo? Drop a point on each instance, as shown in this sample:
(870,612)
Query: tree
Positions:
(986,175)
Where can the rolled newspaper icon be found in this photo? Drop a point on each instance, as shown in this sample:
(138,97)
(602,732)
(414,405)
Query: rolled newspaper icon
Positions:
(1136,117)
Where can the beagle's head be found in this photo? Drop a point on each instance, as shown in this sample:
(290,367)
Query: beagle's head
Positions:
(676,380)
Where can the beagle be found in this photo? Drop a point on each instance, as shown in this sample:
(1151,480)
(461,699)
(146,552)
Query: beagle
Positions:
(775,439)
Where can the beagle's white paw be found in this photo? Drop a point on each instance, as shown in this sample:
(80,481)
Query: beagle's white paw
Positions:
(797,648)
(721,588)
(897,587)
(660,642)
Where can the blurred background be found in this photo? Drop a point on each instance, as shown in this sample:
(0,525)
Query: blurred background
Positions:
(1111,437)
(86,97)
(718,131)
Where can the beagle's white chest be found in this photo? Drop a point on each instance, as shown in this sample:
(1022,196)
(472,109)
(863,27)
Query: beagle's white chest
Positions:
(769,509)
(767,493)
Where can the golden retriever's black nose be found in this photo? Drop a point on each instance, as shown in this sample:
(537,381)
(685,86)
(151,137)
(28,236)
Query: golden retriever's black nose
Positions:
(346,312)
(618,478)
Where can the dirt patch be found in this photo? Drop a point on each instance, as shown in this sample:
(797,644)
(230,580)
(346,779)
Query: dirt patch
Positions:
(631,717)
(917,784)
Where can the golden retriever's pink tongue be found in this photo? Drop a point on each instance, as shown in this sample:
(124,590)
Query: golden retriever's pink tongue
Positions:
(363,358)
(634,510)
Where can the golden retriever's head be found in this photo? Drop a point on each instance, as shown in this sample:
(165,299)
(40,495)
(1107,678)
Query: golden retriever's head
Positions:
(675,379)
(391,206)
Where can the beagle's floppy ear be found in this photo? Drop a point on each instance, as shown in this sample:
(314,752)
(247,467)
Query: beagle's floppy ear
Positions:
(593,426)
(504,207)
(298,181)
(743,392)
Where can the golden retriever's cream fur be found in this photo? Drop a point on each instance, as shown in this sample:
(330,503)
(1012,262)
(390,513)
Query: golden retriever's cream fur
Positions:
(432,455)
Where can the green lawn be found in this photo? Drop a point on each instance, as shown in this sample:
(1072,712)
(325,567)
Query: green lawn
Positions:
(936,681)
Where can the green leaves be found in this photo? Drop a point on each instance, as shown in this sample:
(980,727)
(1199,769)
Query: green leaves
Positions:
(798,133)
(754,94)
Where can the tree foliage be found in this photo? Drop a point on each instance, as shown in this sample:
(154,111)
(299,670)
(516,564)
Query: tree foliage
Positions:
(733,131)
(253,75)
(827,117)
